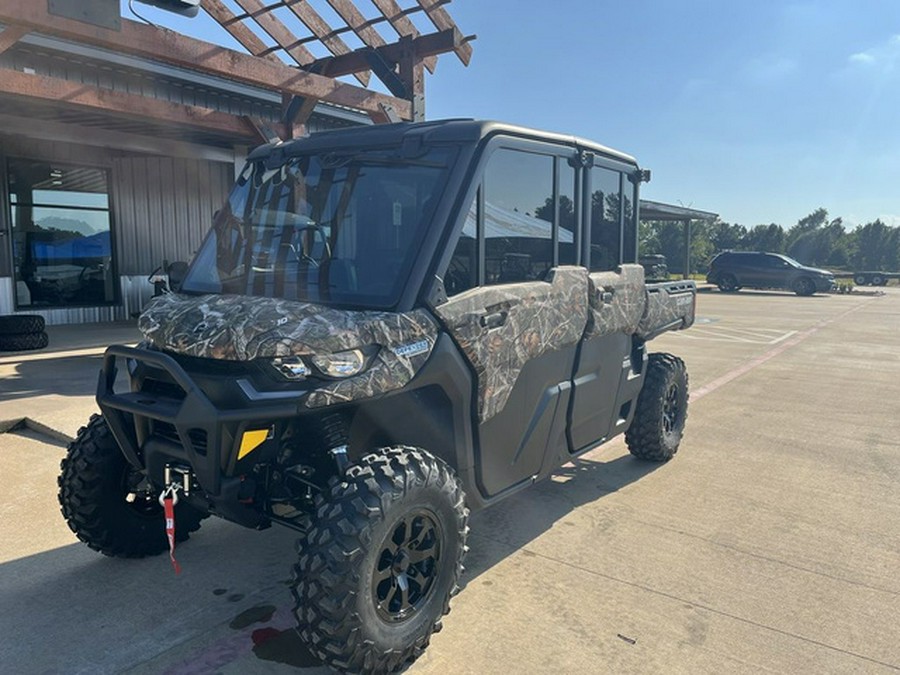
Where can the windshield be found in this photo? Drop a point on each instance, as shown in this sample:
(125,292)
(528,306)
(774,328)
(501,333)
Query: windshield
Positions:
(790,261)
(331,228)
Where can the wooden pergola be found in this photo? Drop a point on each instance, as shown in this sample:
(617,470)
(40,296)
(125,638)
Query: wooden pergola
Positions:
(394,50)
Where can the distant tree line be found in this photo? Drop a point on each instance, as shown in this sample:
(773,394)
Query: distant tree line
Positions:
(814,240)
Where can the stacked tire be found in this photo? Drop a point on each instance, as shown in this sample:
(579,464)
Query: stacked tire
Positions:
(22,332)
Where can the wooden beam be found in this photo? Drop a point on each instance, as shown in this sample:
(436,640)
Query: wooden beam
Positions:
(320,28)
(276,30)
(357,22)
(167,46)
(246,37)
(400,22)
(22,85)
(11,35)
(120,141)
(423,46)
(439,17)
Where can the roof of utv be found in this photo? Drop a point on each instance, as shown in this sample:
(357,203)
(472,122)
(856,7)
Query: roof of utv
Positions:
(425,133)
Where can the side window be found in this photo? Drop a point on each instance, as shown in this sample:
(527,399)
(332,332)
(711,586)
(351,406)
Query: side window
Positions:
(606,204)
(568,255)
(629,235)
(462,274)
(518,217)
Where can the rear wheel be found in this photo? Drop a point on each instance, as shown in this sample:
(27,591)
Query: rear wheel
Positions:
(728,283)
(384,554)
(109,505)
(861,279)
(658,425)
(878,280)
(804,286)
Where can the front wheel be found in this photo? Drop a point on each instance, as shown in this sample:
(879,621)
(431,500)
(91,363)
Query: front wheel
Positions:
(378,566)
(658,425)
(728,284)
(804,286)
(108,504)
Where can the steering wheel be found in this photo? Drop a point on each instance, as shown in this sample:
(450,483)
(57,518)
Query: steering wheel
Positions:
(300,251)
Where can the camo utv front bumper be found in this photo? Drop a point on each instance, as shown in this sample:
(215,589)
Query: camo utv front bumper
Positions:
(179,427)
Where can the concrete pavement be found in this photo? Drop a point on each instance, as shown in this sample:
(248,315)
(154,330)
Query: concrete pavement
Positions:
(768,543)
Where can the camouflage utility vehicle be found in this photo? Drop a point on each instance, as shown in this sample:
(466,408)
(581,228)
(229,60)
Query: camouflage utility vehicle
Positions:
(385,328)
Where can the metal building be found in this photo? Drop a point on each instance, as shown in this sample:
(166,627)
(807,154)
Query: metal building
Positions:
(118,141)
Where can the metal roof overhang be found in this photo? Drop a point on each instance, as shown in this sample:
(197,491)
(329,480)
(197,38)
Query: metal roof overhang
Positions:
(650,210)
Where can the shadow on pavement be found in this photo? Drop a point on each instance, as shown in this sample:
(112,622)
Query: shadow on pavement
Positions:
(63,375)
(501,530)
(232,598)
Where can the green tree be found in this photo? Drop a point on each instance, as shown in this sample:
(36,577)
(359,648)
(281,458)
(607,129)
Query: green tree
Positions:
(769,238)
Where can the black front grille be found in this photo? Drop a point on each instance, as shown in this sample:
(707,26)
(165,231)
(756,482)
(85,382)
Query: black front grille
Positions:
(162,388)
(168,432)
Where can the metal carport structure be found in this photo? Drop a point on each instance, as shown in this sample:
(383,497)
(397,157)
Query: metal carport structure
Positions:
(658,211)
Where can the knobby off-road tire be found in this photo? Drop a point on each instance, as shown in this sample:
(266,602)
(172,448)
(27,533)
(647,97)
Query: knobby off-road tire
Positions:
(658,425)
(100,502)
(23,342)
(397,519)
(17,324)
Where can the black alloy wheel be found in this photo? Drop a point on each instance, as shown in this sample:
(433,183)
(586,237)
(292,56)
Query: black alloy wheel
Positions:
(671,409)
(407,566)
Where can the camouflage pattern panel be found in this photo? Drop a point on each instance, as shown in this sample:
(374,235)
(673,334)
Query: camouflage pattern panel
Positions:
(243,328)
(617,301)
(537,317)
(670,306)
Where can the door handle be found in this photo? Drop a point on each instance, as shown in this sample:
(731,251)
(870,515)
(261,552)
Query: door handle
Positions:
(492,319)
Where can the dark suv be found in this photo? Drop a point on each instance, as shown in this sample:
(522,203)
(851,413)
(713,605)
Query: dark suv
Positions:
(733,270)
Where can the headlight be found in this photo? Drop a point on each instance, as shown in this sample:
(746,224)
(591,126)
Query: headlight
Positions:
(338,365)
(290,367)
(341,364)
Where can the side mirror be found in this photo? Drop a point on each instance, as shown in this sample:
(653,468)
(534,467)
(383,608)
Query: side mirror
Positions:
(188,8)
(177,271)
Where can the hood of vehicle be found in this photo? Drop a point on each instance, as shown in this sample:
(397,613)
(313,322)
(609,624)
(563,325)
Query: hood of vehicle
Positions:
(816,270)
(242,328)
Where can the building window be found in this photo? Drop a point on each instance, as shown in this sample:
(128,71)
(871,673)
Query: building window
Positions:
(518,217)
(61,232)
(606,213)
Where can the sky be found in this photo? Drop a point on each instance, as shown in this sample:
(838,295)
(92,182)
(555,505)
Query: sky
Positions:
(759,111)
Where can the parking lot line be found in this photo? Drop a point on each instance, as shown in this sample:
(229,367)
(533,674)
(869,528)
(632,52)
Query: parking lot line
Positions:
(780,348)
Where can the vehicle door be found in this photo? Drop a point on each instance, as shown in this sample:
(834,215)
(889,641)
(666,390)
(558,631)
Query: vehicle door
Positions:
(754,270)
(616,298)
(778,271)
(517,305)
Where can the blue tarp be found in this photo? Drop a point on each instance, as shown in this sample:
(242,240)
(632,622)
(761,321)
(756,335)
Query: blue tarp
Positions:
(94,246)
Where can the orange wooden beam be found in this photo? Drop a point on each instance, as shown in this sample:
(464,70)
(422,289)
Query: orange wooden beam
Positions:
(10,36)
(16,84)
(167,46)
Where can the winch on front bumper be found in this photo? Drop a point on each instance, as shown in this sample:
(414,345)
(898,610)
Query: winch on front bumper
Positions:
(172,427)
